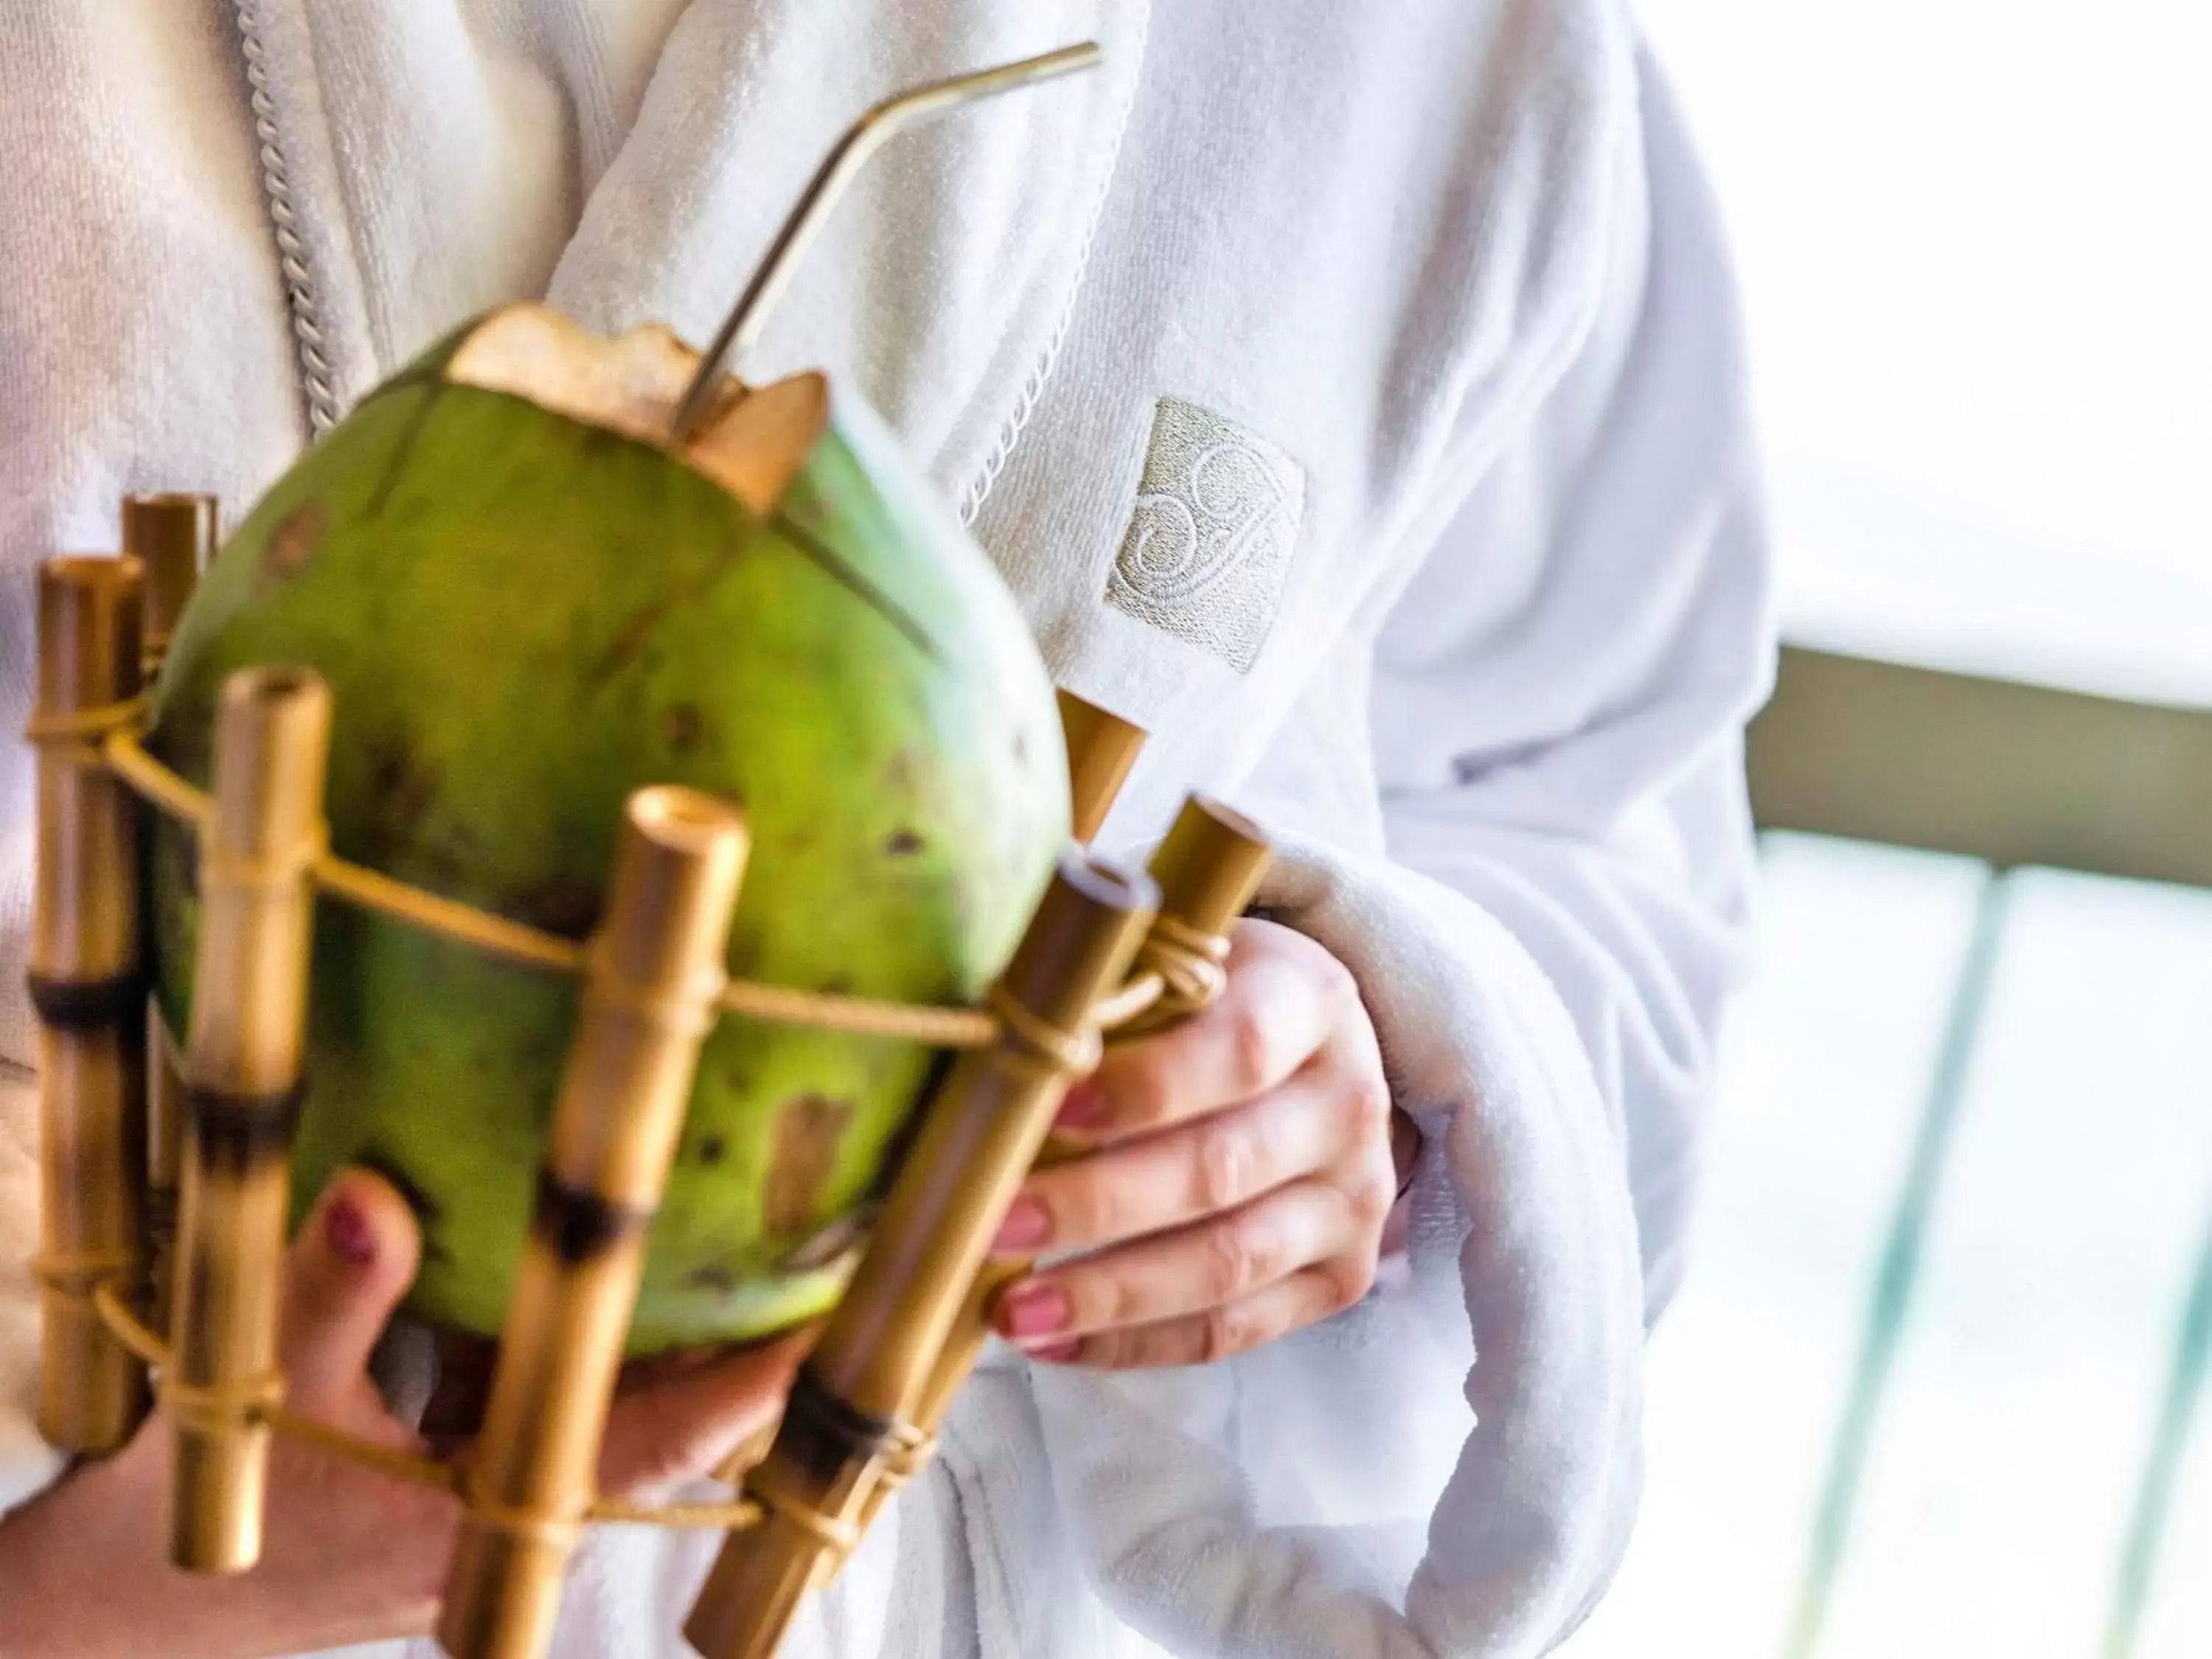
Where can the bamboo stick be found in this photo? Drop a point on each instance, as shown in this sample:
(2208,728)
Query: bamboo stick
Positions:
(1101,749)
(173,537)
(1207,869)
(85,981)
(866,1371)
(165,1109)
(242,1064)
(648,1006)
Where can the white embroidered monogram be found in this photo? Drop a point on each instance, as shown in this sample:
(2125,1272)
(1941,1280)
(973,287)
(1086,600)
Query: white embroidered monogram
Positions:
(1210,541)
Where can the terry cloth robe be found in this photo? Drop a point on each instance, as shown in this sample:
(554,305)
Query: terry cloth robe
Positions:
(1351,396)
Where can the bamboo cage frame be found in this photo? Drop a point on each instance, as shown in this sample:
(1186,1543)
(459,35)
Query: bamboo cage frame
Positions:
(1106,955)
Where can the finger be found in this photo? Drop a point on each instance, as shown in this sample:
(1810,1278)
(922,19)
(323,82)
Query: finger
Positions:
(1182,1174)
(346,1272)
(684,1426)
(1288,1305)
(654,1370)
(1213,1263)
(1281,1002)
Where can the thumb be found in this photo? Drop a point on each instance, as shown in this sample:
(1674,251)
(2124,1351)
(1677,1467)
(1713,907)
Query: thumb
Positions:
(348,1270)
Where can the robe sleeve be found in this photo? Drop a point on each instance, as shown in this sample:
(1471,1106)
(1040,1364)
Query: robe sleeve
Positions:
(1546,943)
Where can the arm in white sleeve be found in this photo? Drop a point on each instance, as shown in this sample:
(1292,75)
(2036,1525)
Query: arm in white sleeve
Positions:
(1573,760)
(1558,699)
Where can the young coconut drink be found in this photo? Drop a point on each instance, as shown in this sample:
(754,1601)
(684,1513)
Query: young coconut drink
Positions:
(527,603)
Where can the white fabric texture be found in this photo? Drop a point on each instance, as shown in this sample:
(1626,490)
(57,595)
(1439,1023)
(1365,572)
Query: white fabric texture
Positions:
(1454,262)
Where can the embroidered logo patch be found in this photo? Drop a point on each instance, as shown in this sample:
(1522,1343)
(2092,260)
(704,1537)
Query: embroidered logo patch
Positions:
(1210,542)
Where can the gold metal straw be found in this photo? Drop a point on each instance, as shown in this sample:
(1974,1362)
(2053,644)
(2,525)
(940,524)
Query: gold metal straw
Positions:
(861,141)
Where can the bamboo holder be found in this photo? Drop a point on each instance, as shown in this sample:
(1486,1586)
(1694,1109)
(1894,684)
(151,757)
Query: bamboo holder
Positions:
(868,1369)
(86,982)
(648,1004)
(1101,749)
(173,537)
(242,1066)
(1207,869)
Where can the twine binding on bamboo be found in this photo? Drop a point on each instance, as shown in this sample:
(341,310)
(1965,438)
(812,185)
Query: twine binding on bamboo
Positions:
(1190,965)
(85,1273)
(1183,967)
(1179,969)
(260,1399)
(248,1401)
(108,738)
(838,1537)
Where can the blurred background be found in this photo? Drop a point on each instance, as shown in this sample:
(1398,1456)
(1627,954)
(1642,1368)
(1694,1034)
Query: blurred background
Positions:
(1937,1385)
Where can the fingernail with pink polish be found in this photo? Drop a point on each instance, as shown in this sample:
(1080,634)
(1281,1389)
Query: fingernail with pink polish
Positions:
(1026,1226)
(1084,1108)
(1035,1310)
(351,1238)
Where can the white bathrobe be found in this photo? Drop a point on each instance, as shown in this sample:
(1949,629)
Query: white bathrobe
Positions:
(1350,394)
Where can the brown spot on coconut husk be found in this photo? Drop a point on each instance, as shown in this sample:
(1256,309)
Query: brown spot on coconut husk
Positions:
(744,953)
(293,541)
(682,727)
(903,843)
(403,787)
(561,905)
(807,1133)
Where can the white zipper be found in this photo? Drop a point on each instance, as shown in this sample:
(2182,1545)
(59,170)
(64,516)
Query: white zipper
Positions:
(318,397)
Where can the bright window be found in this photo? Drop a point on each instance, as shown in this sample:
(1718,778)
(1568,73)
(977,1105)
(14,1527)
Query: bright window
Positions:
(1975,242)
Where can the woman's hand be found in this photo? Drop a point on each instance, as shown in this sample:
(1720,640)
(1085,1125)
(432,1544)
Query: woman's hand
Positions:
(350,1555)
(1243,1175)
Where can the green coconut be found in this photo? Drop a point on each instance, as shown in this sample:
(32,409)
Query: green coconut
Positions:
(526,607)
